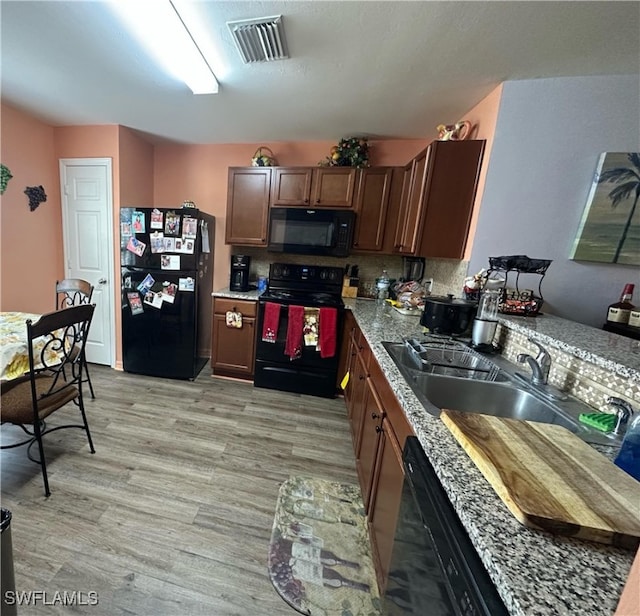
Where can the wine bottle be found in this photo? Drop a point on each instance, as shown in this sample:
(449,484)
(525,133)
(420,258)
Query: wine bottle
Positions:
(620,311)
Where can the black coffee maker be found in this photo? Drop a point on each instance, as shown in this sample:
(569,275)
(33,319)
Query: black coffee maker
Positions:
(239,279)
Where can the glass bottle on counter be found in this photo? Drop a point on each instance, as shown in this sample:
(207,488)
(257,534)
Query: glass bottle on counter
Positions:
(620,311)
(382,285)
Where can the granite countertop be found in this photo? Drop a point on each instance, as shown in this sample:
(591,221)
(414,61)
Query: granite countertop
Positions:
(250,295)
(536,573)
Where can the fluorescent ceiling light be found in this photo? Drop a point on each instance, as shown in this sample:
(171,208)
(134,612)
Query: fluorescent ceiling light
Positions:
(159,27)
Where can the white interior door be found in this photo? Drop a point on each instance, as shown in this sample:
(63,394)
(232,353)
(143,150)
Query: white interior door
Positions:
(87,215)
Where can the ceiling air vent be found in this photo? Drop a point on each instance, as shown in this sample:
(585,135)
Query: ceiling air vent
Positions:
(259,40)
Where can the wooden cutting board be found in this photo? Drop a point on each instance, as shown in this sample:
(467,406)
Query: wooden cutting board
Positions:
(550,479)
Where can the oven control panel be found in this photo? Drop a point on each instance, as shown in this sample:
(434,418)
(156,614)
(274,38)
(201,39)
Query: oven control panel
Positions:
(293,273)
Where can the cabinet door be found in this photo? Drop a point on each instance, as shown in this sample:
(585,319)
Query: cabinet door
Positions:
(356,410)
(233,349)
(385,501)
(291,185)
(347,351)
(333,186)
(451,184)
(408,228)
(247,205)
(371,205)
(369,438)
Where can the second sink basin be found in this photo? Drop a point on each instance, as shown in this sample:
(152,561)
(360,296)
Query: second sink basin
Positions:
(489,398)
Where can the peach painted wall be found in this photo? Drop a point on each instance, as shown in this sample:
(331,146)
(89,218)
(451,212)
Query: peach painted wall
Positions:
(136,168)
(32,260)
(484,117)
(199,173)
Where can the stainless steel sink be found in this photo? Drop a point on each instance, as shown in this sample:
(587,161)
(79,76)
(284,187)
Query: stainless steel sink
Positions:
(454,377)
(488,398)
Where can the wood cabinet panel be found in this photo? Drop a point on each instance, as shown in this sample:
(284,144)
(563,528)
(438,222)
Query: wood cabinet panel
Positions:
(450,193)
(359,388)
(412,205)
(222,304)
(385,501)
(370,430)
(333,186)
(247,205)
(291,186)
(371,205)
(379,429)
(438,193)
(233,349)
(313,186)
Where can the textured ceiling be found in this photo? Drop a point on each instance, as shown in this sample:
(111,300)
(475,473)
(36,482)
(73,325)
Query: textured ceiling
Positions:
(380,69)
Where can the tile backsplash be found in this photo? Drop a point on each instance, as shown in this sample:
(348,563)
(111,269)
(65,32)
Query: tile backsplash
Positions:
(582,379)
(447,274)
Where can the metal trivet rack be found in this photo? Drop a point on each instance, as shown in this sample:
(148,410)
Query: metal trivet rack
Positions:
(447,357)
(514,300)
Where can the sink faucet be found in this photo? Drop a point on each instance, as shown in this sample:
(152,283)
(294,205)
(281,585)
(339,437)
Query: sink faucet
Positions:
(623,412)
(539,366)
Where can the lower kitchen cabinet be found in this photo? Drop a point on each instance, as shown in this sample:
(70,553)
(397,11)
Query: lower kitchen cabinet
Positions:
(367,447)
(385,501)
(233,348)
(379,429)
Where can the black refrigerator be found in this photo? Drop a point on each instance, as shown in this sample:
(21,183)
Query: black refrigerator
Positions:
(166,259)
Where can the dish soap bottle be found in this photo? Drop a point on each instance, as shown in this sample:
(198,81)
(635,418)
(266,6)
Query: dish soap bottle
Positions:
(628,458)
(382,285)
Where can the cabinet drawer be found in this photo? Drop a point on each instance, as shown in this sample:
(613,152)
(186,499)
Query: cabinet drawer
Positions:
(225,304)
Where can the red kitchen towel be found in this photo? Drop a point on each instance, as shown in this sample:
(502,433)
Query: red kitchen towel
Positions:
(271,322)
(327,333)
(295,325)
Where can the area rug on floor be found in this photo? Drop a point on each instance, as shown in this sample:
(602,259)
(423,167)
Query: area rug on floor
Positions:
(319,556)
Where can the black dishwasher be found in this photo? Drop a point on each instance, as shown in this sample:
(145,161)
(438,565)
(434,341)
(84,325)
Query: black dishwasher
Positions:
(434,569)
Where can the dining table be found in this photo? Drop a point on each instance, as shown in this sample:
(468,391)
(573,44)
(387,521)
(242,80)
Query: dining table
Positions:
(14,346)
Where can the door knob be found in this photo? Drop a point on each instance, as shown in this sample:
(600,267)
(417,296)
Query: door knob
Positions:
(102,281)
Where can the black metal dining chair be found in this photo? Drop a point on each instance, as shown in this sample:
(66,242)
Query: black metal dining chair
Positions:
(75,292)
(56,350)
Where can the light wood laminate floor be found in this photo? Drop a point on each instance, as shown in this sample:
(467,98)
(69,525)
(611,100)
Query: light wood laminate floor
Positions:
(172,515)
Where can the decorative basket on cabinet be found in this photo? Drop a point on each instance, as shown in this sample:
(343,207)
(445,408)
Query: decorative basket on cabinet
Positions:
(263,157)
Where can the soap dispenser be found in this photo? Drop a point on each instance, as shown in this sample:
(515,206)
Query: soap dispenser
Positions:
(628,458)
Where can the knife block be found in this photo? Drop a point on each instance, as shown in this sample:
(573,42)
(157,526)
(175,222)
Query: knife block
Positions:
(350,287)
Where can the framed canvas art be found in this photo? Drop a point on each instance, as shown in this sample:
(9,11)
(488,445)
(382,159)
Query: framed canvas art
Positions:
(609,231)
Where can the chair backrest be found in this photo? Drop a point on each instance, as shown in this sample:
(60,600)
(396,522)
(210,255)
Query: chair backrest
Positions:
(73,292)
(56,346)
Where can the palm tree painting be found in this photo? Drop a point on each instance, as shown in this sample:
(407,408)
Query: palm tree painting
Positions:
(610,228)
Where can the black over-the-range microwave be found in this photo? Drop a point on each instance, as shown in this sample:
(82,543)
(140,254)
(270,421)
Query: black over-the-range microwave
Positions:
(310,231)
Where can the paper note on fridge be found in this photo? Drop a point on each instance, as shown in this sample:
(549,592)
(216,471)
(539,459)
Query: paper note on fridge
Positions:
(186,284)
(170,262)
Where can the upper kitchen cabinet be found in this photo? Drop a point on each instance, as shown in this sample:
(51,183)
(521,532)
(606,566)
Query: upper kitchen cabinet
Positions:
(313,186)
(371,203)
(411,205)
(248,205)
(438,193)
